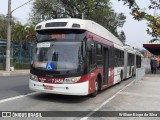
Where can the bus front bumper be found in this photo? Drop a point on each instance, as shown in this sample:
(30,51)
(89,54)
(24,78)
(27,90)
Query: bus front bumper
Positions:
(64,89)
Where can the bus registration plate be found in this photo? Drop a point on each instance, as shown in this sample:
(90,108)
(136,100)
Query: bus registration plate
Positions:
(48,87)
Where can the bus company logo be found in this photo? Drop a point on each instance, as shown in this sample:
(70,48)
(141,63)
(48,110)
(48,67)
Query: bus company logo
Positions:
(6,114)
(42,79)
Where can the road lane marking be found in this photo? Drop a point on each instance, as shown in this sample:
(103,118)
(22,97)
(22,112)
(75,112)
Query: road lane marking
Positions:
(105,102)
(17,97)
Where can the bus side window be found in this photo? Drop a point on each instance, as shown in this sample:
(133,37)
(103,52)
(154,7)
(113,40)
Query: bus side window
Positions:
(91,52)
(111,57)
(99,49)
(115,58)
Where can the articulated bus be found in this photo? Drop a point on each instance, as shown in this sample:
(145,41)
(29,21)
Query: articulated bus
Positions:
(75,57)
(132,60)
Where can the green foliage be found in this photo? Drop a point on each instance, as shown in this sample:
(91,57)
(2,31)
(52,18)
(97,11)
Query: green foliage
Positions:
(153,40)
(75,8)
(99,11)
(18,31)
(122,37)
(139,14)
(22,65)
(3,28)
(44,10)
(2,66)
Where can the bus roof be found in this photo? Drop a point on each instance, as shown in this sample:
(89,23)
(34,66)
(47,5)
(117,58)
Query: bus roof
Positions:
(129,49)
(72,23)
(132,50)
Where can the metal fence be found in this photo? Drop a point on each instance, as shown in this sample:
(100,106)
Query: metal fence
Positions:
(20,58)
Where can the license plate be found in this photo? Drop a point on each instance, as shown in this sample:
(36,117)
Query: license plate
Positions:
(48,87)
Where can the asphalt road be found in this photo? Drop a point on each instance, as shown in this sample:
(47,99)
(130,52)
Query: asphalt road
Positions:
(50,102)
(11,86)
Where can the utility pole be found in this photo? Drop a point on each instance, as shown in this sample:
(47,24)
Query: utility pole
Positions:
(9,16)
(8,36)
(82,15)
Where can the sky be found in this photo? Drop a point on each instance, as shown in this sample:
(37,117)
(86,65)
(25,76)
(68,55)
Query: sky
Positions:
(135,31)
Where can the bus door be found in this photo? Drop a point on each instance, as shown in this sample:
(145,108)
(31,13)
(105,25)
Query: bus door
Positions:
(105,65)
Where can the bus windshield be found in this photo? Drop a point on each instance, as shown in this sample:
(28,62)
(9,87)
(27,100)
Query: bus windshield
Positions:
(64,49)
(64,55)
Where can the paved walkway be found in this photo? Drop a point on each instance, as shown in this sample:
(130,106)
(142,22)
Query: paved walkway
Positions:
(143,95)
(15,72)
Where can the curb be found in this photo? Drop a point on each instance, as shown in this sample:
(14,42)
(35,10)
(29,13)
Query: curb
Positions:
(13,73)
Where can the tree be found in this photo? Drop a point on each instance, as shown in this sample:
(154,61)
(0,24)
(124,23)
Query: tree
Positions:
(113,21)
(99,11)
(75,8)
(139,14)
(44,10)
(122,37)
(18,31)
(50,9)
(3,24)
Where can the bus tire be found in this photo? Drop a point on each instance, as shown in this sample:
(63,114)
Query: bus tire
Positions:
(94,94)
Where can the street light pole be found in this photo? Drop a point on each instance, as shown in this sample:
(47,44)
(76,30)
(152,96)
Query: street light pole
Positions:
(8,36)
(82,15)
(9,16)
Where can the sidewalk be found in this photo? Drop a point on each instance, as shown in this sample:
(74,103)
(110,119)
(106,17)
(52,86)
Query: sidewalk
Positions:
(143,95)
(15,72)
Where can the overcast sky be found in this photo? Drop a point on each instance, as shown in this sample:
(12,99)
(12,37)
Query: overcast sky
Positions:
(135,31)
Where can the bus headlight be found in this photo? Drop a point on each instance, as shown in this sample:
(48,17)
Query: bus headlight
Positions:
(71,80)
(33,77)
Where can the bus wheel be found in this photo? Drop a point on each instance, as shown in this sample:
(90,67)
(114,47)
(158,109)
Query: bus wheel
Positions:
(96,88)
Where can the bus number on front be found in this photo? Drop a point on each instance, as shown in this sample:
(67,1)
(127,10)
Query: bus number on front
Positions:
(57,80)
